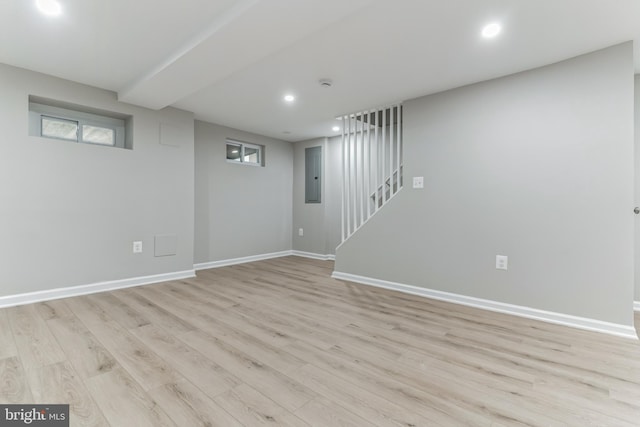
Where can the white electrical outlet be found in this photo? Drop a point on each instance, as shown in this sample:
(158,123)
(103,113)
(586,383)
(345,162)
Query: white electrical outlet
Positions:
(418,182)
(137,247)
(502,262)
(300,232)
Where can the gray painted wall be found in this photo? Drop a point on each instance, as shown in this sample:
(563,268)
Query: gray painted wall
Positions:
(537,166)
(320,221)
(69,212)
(240,210)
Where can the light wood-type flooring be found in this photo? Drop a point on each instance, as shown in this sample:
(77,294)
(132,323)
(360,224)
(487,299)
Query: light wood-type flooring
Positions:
(280,343)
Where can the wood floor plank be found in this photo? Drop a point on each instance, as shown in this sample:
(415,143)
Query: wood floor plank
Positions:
(35,344)
(532,407)
(187,405)
(548,365)
(438,375)
(323,412)
(263,378)
(206,317)
(251,407)
(581,406)
(14,386)
(376,410)
(124,403)
(141,362)
(59,384)
(291,420)
(279,342)
(198,289)
(182,302)
(83,350)
(222,318)
(153,312)
(193,365)
(118,309)
(53,309)
(300,326)
(571,358)
(629,394)
(441,410)
(7,342)
(259,349)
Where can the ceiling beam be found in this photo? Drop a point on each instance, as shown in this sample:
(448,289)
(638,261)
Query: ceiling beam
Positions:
(244,34)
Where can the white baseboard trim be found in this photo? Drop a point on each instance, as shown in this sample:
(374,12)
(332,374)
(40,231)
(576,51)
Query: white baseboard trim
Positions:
(253,258)
(73,291)
(636,305)
(531,313)
(234,261)
(314,256)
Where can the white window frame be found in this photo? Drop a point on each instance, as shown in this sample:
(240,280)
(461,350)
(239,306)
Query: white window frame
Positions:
(39,111)
(241,147)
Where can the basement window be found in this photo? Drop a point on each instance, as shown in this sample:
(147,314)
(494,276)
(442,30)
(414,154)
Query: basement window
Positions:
(56,120)
(54,127)
(244,153)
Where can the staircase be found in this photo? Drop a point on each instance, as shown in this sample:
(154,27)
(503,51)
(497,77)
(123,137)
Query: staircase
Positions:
(371,164)
(388,190)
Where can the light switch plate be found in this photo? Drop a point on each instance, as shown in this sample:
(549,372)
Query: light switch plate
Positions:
(502,262)
(418,182)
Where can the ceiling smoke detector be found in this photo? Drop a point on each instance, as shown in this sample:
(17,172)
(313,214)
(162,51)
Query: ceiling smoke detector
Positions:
(325,82)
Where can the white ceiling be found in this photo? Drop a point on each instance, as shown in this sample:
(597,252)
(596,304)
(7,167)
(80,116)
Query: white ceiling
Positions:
(232,61)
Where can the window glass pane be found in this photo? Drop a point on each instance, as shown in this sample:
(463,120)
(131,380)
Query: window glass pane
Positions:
(251,155)
(233,152)
(98,135)
(59,128)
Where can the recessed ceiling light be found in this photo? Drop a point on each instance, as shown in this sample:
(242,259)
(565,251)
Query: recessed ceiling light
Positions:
(49,7)
(289,98)
(335,128)
(491,30)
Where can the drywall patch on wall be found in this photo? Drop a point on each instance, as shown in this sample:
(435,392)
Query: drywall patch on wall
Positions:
(165,245)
